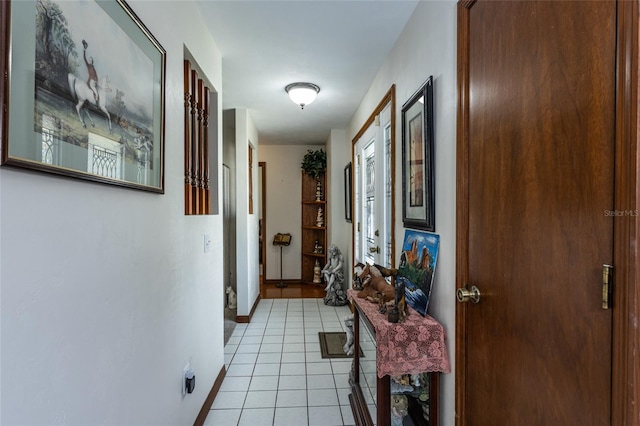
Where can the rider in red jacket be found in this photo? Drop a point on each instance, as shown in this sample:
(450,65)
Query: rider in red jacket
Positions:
(93,75)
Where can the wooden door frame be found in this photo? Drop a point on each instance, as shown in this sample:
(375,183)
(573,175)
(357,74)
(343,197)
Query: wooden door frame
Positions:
(262,166)
(625,397)
(388,99)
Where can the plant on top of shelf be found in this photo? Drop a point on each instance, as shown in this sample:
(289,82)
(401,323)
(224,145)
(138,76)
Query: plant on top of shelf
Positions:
(314,163)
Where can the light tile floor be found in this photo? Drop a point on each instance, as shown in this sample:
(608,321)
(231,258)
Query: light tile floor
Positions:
(276,375)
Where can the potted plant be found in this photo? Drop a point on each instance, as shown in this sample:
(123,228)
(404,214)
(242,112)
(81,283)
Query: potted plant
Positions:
(314,163)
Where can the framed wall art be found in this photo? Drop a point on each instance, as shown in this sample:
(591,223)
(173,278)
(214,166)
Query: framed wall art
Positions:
(417,267)
(348,196)
(85,92)
(418,185)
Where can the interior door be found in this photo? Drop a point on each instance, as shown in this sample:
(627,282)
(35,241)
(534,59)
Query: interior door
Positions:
(373,192)
(535,183)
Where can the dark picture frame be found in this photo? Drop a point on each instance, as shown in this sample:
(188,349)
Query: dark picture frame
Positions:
(65,113)
(348,192)
(418,182)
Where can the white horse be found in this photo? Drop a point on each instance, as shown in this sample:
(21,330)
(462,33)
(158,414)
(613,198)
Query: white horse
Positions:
(83,93)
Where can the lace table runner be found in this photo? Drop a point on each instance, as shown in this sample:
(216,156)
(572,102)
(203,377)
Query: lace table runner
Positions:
(416,345)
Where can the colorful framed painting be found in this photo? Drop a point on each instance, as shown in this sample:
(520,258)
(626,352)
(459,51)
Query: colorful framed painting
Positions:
(417,267)
(418,185)
(85,92)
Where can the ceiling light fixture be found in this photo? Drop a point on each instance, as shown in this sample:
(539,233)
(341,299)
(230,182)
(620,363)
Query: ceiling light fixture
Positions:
(302,93)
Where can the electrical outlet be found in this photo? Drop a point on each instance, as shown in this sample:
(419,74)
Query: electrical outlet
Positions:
(186,368)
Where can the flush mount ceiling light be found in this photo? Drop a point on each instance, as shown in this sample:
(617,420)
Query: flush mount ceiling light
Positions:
(302,93)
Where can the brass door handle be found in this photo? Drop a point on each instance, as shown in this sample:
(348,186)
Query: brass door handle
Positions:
(375,249)
(464,294)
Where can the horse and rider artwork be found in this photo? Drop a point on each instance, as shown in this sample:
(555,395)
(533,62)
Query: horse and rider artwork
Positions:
(97,83)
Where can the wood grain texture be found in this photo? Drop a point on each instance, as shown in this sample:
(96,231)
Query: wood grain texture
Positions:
(626,338)
(188,130)
(536,176)
(208,402)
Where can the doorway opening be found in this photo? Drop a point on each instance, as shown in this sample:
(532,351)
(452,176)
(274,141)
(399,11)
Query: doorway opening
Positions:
(373,195)
(262,221)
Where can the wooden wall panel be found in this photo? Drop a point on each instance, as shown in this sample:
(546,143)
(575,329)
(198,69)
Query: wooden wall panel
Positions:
(196,143)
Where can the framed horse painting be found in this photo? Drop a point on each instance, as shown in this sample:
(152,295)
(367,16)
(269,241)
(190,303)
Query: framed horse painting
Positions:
(84,95)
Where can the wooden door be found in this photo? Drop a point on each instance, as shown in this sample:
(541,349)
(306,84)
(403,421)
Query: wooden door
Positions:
(535,198)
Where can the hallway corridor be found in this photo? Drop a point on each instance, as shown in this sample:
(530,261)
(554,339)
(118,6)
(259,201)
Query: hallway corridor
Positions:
(276,375)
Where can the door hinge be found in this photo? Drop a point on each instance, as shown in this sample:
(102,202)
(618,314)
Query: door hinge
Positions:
(607,286)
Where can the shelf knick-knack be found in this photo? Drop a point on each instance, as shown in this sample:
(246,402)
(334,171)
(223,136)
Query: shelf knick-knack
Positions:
(316,273)
(318,191)
(320,218)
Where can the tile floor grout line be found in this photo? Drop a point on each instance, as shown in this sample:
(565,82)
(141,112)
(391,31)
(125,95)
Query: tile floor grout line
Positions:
(312,311)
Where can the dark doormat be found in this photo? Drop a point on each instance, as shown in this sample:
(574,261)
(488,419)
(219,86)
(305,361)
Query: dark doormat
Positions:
(331,344)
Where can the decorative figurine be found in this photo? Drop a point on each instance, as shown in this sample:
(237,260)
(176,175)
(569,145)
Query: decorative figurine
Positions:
(316,273)
(316,247)
(375,288)
(318,191)
(320,218)
(232,298)
(399,409)
(357,276)
(334,276)
(348,325)
(400,384)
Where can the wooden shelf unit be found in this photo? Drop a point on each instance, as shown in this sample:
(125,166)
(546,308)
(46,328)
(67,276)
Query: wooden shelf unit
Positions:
(310,232)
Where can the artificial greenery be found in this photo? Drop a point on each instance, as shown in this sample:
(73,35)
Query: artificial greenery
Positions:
(314,163)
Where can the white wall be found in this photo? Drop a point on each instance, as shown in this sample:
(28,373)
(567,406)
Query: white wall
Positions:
(427,47)
(283,192)
(339,230)
(106,292)
(247,225)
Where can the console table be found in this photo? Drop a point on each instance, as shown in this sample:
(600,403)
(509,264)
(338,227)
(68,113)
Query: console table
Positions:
(414,346)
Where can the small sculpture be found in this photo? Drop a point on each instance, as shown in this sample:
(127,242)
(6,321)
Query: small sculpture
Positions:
(316,273)
(357,276)
(334,276)
(400,384)
(376,289)
(316,246)
(399,310)
(373,282)
(348,325)
(318,191)
(399,409)
(232,298)
(320,218)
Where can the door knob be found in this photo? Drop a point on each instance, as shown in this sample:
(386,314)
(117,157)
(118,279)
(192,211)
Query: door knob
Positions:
(464,294)
(375,249)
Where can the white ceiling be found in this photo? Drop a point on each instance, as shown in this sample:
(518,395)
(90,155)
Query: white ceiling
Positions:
(337,44)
